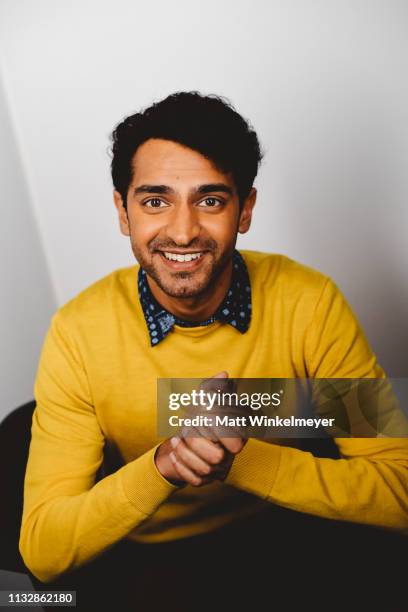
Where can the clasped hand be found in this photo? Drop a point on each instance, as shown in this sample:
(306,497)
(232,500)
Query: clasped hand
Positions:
(200,459)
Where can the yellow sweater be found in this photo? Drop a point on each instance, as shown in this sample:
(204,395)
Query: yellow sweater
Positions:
(96,384)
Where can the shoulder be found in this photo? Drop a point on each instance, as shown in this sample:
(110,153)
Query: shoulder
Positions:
(103,297)
(277,272)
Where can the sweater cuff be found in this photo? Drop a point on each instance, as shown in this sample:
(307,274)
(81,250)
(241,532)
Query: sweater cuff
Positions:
(255,468)
(143,484)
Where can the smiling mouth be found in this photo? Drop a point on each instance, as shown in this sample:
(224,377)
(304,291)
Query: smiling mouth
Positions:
(182,261)
(182,256)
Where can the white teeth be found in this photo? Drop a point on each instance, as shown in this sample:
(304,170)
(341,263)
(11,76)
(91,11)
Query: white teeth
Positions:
(178,257)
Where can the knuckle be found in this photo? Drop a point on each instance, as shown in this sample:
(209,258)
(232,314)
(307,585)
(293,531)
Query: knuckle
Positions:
(236,446)
(205,470)
(181,453)
(217,456)
(220,454)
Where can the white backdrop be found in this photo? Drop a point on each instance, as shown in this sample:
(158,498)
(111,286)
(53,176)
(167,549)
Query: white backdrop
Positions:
(323,82)
(27,297)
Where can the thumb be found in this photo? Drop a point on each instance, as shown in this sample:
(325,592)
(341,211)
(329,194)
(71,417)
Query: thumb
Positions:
(222,374)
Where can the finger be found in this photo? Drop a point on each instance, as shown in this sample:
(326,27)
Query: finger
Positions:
(210,381)
(211,452)
(231,438)
(218,383)
(188,457)
(233,445)
(184,472)
(198,431)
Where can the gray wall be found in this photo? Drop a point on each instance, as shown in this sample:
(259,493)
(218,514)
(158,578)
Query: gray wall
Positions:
(27,296)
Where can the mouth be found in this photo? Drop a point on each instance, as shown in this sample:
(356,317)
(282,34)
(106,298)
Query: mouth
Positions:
(189,260)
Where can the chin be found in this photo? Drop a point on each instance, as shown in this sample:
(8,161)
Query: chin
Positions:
(183,291)
(183,284)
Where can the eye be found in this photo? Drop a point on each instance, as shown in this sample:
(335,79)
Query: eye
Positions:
(211,203)
(154,203)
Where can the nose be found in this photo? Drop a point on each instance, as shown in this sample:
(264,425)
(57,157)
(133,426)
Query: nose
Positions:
(183,225)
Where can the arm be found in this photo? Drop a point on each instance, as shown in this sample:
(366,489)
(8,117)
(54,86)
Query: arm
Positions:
(67,519)
(369,483)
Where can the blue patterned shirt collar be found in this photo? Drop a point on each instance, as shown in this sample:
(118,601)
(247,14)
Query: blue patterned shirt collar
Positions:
(235,309)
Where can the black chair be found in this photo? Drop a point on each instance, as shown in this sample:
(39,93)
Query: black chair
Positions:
(15,436)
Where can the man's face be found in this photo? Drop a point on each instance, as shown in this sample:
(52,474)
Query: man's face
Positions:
(182,217)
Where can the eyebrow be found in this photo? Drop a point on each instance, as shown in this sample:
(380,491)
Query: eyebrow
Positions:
(153,189)
(210,187)
(206,188)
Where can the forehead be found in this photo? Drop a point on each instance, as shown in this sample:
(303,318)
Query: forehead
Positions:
(158,161)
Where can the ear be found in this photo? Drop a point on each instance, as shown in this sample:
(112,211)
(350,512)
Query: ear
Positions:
(246,212)
(123,218)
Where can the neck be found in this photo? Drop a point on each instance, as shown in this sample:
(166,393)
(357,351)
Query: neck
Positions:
(197,308)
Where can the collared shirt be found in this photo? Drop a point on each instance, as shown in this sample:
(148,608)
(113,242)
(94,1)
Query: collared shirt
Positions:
(235,309)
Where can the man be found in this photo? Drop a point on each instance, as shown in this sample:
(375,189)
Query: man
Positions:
(183,173)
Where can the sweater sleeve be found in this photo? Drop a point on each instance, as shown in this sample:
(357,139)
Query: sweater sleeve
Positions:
(67,518)
(369,482)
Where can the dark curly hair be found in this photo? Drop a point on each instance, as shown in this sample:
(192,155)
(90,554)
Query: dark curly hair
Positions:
(207,124)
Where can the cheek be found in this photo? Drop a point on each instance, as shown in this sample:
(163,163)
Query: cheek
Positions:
(143,231)
(221,229)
